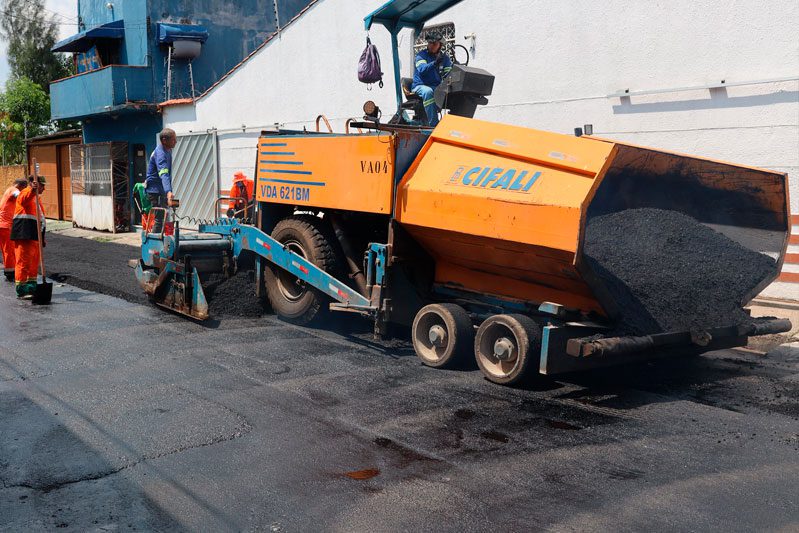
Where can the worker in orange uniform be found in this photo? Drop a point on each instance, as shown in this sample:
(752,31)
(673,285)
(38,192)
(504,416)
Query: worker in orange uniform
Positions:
(241,196)
(8,202)
(25,236)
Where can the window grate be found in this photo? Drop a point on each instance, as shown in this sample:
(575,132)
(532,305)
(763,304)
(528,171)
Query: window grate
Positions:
(447,32)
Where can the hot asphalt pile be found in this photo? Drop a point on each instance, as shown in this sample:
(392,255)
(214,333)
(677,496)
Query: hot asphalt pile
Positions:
(668,272)
(233,297)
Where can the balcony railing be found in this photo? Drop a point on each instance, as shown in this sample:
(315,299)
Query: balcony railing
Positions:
(101,91)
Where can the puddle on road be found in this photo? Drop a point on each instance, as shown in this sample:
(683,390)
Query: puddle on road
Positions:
(366,473)
(464,414)
(559,424)
(495,436)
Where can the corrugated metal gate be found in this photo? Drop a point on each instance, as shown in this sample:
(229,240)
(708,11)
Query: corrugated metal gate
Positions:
(195,180)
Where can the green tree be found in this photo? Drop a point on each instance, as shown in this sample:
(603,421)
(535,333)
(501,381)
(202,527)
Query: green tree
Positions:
(12,141)
(30,33)
(24,112)
(27,104)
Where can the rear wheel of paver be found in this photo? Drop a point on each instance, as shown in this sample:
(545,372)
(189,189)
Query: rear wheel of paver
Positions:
(504,345)
(291,298)
(442,335)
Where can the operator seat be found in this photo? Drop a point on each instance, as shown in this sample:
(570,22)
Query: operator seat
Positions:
(413,102)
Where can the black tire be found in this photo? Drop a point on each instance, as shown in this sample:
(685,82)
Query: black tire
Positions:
(291,299)
(454,349)
(524,336)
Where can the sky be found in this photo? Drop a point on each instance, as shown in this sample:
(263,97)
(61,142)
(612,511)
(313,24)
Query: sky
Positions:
(66,12)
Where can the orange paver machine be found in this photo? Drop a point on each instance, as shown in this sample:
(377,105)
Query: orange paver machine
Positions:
(471,233)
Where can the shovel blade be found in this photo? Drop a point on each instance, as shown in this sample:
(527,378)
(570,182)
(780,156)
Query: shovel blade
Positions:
(43,294)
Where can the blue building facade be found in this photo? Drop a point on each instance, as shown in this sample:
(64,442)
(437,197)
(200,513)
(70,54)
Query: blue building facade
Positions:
(132,55)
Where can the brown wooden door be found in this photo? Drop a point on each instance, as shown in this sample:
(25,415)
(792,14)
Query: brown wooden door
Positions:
(66,181)
(48,167)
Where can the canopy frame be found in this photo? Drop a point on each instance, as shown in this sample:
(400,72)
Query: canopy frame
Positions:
(397,15)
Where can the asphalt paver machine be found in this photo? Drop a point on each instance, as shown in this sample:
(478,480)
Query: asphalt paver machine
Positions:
(472,233)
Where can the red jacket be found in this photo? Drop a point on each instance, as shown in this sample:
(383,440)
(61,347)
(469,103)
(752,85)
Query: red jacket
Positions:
(241,192)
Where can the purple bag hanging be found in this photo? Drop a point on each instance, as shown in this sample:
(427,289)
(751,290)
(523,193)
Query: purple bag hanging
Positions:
(369,65)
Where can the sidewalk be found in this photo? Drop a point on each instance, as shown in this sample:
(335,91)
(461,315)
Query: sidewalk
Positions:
(63,227)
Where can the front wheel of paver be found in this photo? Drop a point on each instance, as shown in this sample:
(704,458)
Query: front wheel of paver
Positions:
(292,299)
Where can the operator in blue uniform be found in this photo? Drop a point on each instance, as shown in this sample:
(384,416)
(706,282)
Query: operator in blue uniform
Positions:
(158,185)
(430,67)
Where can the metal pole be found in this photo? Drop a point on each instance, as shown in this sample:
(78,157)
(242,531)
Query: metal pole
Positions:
(277,16)
(191,80)
(25,152)
(397,79)
(169,74)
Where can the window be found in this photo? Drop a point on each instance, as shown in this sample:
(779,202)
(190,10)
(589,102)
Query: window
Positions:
(108,49)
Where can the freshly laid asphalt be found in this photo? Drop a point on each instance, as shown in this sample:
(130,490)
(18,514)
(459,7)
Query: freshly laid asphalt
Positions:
(117,415)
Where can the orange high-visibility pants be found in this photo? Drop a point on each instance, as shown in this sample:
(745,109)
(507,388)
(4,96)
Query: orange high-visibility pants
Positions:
(27,267)
(7,250)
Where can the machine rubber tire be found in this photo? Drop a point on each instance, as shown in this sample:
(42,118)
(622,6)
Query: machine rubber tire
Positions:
(458,337)
(519,332)
(308,236)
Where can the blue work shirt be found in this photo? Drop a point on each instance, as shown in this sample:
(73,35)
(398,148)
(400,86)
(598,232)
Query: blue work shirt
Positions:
(159,172)
(425,71)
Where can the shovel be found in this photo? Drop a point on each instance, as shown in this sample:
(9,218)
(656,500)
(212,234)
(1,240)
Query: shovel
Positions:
(44,290)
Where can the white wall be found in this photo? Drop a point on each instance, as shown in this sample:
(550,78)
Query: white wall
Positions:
(555,63)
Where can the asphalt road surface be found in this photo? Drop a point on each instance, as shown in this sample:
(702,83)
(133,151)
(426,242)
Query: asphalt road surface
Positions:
(116,415)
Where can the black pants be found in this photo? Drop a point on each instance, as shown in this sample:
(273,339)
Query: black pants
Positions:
(157,200)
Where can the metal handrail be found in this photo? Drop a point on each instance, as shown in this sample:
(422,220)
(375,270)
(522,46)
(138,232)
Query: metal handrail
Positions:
(327,123)
(228,198)
(347,126)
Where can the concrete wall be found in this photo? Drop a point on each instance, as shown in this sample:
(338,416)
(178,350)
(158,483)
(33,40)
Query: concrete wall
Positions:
(235,28)
(555,65)
(9,173)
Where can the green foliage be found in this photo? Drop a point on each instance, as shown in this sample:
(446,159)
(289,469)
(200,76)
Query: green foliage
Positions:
(26,103)
(30,33)
(12,141)
(24,112)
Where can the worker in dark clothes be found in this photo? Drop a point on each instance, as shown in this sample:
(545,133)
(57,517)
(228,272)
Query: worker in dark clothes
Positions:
(158,184)
(8,203)
(430,67)
(25,235)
